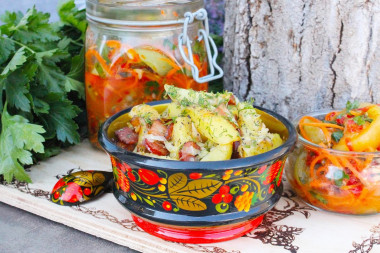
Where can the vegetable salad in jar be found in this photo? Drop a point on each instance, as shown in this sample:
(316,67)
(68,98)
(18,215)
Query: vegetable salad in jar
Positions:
(337,163)
(133,48)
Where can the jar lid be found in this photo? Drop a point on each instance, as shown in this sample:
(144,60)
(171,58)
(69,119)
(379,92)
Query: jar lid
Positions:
(141,12)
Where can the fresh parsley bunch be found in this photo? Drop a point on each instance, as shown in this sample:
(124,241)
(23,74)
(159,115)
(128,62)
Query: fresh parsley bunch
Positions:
(41,86)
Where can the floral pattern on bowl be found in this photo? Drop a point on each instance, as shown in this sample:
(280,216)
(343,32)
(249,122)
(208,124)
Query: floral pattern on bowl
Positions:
(198,192)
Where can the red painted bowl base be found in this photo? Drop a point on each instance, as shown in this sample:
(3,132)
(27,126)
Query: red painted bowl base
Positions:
(198,234)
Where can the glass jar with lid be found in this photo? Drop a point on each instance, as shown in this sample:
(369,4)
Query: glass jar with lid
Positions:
(134,47)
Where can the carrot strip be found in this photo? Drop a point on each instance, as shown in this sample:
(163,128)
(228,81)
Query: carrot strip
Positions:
(313,163)
(135,56)
(113,43)
(349,187)
(197,61)
(317,123)
(324,125)
(311,118)
(114,64)
(356,112)
(321,171)
(331,115)
(367,161)
(319,184)
(179,81)
(171,72)
(171,63)
(135,82)
(102,62)
(189,83)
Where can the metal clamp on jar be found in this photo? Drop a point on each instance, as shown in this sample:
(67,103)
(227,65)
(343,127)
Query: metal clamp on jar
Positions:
(133,48)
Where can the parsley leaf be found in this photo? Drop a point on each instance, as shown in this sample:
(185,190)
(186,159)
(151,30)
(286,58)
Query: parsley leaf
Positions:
(74,85)
(7,48)
(41,55)
(40,106)
(70,15)
(339,176)
(152,87)
(17,91)
(352,105)
(18,59)
(74,79)
(337,135)
(18,137)
(359,120)
(41,84)
(50,76)
(33,26)
(59,121)
(362,119)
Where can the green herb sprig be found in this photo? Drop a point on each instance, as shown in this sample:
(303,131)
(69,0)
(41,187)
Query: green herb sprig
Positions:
(41,86)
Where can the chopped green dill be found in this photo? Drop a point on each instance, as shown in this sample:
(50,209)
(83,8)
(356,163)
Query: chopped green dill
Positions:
(171,92)
(192,93)
(147,118)
(169,122)
(246,105)
(201,101)
(185,102)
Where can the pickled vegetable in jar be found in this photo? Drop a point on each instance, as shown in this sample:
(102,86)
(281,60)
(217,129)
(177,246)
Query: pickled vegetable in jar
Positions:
(134,48)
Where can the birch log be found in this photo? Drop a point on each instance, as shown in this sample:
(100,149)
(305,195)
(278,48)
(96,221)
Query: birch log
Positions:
(297,56)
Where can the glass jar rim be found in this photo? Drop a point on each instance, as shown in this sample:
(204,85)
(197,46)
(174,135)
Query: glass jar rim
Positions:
(141,12)
(305,142)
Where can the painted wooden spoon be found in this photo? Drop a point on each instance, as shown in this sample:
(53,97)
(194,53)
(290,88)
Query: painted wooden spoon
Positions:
(81,186)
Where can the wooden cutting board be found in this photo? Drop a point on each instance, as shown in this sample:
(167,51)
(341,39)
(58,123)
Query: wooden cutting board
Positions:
(291,226)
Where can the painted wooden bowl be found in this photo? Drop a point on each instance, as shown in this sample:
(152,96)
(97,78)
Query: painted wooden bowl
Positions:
(198,202)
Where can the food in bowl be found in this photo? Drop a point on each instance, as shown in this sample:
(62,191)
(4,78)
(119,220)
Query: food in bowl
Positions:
(336,165)
(197,201)
(197,126)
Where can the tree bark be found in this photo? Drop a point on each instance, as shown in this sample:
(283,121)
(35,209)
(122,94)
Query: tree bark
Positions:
(298,56)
